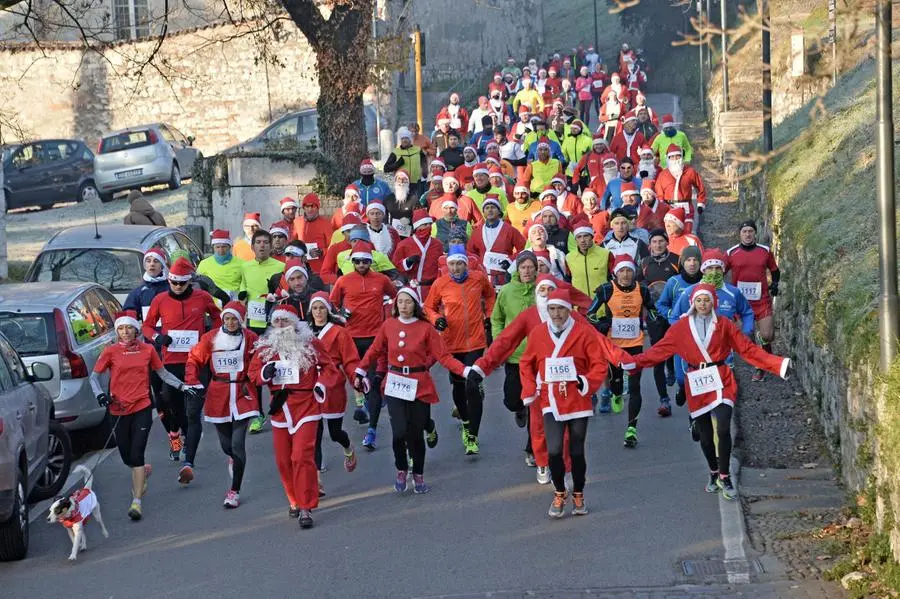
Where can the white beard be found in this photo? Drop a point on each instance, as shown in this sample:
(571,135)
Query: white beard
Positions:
(225,342)
(541,303)
(675,169)
(609,175)
(401,192)
(292,344)
(649,166)
(561,200)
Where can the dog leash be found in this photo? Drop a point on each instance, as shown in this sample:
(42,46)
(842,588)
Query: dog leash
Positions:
(112,433)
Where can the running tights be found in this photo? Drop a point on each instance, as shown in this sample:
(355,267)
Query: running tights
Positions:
(335,431)
(704,424)
(469,406)
(555,430)
(132,432)
(373,397)
(634,387)
(232,437)
(657,331)
(408,421)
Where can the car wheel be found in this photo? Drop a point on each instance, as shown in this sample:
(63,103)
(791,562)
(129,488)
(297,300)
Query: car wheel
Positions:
(59,462)
(106,198)
(88,192)
(14,532)
(175,179)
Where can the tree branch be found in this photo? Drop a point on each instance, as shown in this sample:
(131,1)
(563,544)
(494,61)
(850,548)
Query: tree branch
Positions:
(308,19)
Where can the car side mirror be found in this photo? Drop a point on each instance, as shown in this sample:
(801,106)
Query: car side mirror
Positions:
(190,140)
(40,372)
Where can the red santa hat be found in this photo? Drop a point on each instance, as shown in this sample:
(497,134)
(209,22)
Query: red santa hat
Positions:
(631,116)
(362,250)
(549,205)
(448,200)
(350,220)
(366,167)
(674,150)
(581,225)
(295,265)
(497,75)
(667,120)
(628,188)
(707,290)
(236,309)
(280,228)
(322,298)
(294,250)
(610,159)
(413,293)
(312,199)
(644,150)
(713,257)
(543,257)
(350,191)
(647,187)
(375,205)
(494,169)
(599,140)
(352,208)
(560,297)
(523,109)
(421,218)
(548,192)
(288,202)
(401,174)
(216,237)
(181,271)
(481,169)
(543,142)
(521,187)
(438,163)
(445,182)
(546,280)
(558,179)
(493,199)
(128,317)
(160,255)
(587,194)
(285,311)
(676,215)
(474,150)
(623,261)
(252,218)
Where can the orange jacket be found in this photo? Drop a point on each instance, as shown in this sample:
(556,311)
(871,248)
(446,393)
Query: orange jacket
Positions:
(316,231)
(465,306)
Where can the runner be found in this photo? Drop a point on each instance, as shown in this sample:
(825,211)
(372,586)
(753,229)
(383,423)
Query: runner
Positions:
(299,373)
(183,313)
(418,256)
(458,304)
(749,263)
(590,263)
(231,401)
(408,345)
(704,341)
(676,184)
(242,248)
(223,268)
(130,362)
(620,241)
(494,242)
(674,221)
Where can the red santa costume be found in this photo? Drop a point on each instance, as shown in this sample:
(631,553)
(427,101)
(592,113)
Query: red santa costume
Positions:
(342,351)
(652,212)
(680,240)
(568,204)
(675,184)
(610,171)
(298,370)
(418,256)
(494,244)
(386,238)
(84,500)
(627,144)
(329,272)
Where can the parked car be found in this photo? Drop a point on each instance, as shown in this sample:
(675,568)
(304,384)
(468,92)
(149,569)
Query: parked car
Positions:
(48,171)
(109,255)
(301,127)
(65,325)
(35,450)
(145,155)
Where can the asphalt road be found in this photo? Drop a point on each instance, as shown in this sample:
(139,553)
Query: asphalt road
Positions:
(483,528)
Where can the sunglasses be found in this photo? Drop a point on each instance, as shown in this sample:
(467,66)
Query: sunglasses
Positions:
(361,261)
(178,283)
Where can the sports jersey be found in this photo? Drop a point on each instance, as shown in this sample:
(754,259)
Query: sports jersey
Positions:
(748,266)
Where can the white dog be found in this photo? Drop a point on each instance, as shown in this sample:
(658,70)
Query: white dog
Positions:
(74,511)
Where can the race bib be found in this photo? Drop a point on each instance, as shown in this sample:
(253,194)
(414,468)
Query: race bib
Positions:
(286,373)
(560,370)
(404,229)
(686,205)
(228,362)
(401,387)
(492,260)
(597,84)
(183,341)
(625,328)
(256,310)
(705,380)
(311,247)
(752,291)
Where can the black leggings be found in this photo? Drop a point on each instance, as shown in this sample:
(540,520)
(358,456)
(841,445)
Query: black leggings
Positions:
(707,444)
(232,437)
(171,412)
(657,331)
(335,431)
(373,397)
(584,111)
(259,396)
(554,431)
(470,407)
(408,420)
(634,387)
(512,396)
(131,432)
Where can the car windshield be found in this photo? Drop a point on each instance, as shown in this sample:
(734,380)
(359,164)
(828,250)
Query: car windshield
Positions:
(125,141)
(118,270)
(29,334)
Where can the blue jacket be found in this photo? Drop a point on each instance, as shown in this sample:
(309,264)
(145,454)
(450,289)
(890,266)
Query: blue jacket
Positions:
(140,297)
(480,140)
(732,303)
(379,190)
(675,286)
(555,152)
(611,197)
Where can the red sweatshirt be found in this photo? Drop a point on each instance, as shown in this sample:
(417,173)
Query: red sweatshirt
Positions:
(182,318)
(364,297)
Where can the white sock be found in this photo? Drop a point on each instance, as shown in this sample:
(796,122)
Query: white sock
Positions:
(136,500)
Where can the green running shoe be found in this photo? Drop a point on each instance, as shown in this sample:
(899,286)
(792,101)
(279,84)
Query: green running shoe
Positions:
(728,490)
(256,425)
(618,402)
(431,439)
(464,432)
(631,436)
(713,485)
(472,445)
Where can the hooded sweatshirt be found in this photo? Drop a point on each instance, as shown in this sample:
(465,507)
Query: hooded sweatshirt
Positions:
(142,213)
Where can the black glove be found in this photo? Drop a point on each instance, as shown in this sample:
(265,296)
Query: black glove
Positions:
(242,296)
(319,392)
(346,312)
(278,399)
(103,400)
(162,340)
(699,208)
(441,324)
(790,370)
(583,385)
(315,254)
(376,380)
(268,371)
(505,264)
(412,261)
(474,377)
(680,397)
(194,393)
(643,174)
(773,289)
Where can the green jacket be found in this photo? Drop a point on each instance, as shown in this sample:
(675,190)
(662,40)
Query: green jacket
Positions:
(589,271)
(514,298)
(227,277)
(661,144)
(574,147)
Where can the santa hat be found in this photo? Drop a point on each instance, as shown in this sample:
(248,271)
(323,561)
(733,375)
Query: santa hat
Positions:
(546,281)
(493,199)
(376,205)
(521,187)
(285,311)
(158,254)
(295,250)
(676,215)
(480,169)
(312,199)
(128,317)
(295,265)
(610,158)
(438,163)
(494,169)
(667,120)
(523,109)
(216,237)
(587,194)
(549,206)
(421,218)
(643,150)
(547,193)
(543,257)
(498,76)
(581,225)
(560,297)
(713,257)
(631,116)
(623,261)
(350,220)
(401,174)
(321,297)
(236,309)
(674,150)
(414,294)
(707,290)
(544,142)
(279,228)
(181,271)
(366,167)
(448,200)
(558,179)
(288,202)
(474,150)
(350,191)
(457,253)
(599,140)
(362,250)
(252,218)
(628,188)
(647,187)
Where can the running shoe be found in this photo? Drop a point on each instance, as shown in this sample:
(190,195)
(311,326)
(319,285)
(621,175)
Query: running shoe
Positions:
(758,376)
(464,433)
(431,439)
(369,440)
(175,446)
(321,486)
(182,454)
(186,474)
(543,475)
(665,407)
(400,485)
(420,487)
(148,470)
(350,460)
(522,418)
(229,463)
(605,397)
(670,377)
(728,490)
(257,424)
(306,520)
(713,485)
(454,412)
(578,506)
(558,506)
(232,500)
(472,445)
(293,512)
(134,512)
(618,402)
(631,437)
(529,459)
(360,415)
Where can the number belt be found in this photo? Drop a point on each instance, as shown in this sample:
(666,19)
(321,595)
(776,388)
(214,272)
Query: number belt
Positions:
(707,364)
(407,369)
(224,378)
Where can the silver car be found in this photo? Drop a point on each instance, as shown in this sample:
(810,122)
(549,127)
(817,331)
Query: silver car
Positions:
(109,255)
(66,326)
(141,156)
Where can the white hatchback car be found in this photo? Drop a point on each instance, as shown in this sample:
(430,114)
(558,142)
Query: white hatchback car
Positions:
(141,156)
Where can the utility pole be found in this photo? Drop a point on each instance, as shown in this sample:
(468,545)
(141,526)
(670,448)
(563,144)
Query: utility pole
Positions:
(724,58)
(766,76)
(596,31)
(702,95)
(417,36)
(889,325)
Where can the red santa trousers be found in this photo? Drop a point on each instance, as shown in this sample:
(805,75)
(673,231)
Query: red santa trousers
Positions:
(295,458)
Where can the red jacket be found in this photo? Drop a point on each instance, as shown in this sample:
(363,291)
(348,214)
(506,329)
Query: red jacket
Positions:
(621,149)
(330,272)
(342,351)
(689,180)
(364,296)
(182,314)
(652,218)
(508,242)
(316,231)
(593,162)
(229,396)
(429,253)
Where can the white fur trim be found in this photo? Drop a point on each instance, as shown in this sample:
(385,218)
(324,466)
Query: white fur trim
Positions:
(321,388)
(320,300)
(624,264)
(583,230)
(361,255)
(478,369)
(233,312)
(293,269)
(278,313)
(559,302)
(481,171)
(219,241)
(785,364)
(449,204)
(711,262)
(423,221)
(377,206)
(123,320)
(179,278)
(411,293)
(279,231)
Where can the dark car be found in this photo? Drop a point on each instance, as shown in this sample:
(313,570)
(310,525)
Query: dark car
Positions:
(48,171)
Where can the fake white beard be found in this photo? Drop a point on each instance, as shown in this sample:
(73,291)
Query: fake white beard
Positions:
(609,175)
(649,166)
(401,192)
(676,168)
(497,105)
(560,329)
(225,342)
(541,303)
(289,343)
